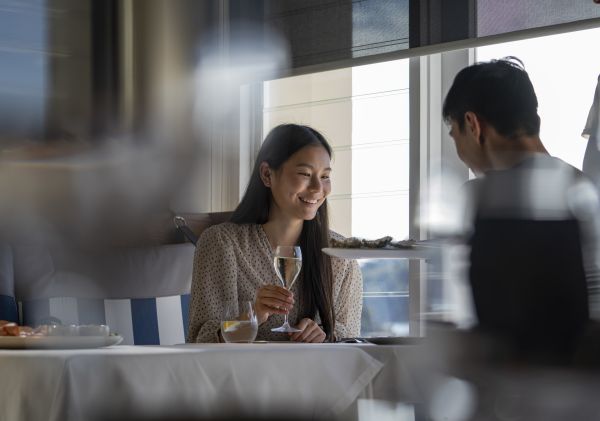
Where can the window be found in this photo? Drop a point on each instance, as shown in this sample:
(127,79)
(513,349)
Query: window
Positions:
(24,69)
(564,70)
(363,111)
(564,79)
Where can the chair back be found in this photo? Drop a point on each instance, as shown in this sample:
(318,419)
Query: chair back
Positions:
(142,292)
(8,304)
(191,225)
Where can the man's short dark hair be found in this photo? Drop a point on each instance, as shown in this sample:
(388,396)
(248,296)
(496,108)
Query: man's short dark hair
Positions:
(499,92)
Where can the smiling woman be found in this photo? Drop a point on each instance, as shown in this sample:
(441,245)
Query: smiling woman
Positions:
(285,204)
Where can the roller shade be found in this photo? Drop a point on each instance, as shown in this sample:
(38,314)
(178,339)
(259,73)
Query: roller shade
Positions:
(497,17)
(326,31)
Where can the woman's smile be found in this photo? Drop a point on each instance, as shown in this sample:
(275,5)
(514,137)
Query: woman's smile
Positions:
(309,201)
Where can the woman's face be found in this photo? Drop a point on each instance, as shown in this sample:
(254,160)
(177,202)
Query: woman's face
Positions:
(301,185)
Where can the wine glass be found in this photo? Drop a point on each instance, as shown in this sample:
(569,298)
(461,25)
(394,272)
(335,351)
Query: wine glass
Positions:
(239,322)
(288,262)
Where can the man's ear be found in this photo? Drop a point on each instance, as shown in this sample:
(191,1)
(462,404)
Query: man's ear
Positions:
(474,126)
(265,173)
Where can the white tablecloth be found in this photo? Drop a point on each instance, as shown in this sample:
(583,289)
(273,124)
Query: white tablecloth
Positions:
(303,379)
(398,380)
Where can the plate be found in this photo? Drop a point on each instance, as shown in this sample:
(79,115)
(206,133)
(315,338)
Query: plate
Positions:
(58,342)
(394,340)
(385,253)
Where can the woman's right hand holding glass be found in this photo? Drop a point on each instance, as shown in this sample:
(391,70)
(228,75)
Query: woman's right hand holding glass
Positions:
(272,299)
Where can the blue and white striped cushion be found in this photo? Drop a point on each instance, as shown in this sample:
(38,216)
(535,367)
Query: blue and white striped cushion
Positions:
(141,321)
(8,304)
(8,308)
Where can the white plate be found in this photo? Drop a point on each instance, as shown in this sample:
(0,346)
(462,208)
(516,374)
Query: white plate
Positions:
(386,253)
(58,342)
(393,340)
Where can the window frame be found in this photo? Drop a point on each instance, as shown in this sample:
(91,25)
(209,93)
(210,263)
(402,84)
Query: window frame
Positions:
(432,153)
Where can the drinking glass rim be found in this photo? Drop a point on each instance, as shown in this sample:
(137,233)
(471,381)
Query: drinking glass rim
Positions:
(297,251)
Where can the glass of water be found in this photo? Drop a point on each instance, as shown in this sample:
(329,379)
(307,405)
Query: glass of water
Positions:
(238,322)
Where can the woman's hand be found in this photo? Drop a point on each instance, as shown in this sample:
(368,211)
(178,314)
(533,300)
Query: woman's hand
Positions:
(311,332)
(272,299)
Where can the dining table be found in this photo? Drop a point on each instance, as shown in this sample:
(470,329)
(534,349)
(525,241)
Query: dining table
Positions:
(311,381)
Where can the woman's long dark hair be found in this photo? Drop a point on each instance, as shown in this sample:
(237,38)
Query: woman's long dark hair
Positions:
(316,288)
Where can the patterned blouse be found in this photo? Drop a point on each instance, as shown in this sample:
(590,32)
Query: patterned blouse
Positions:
(233,260)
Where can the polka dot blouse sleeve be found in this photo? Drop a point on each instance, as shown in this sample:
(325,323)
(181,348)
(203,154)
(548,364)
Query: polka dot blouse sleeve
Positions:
(214,282)
(348,291)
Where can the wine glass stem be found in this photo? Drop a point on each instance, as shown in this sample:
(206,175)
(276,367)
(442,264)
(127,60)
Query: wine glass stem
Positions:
(285,316)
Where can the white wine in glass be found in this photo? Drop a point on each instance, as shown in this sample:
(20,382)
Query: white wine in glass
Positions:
(288,262)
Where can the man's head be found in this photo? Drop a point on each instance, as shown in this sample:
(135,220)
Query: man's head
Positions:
(491,97)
